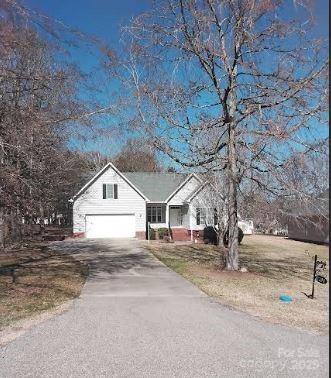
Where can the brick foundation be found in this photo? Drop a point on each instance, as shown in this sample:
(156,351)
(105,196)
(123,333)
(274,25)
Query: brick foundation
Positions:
(79,235)
(141,235)
(196,234)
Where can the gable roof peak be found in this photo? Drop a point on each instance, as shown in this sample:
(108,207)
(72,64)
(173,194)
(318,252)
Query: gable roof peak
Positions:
(100,173)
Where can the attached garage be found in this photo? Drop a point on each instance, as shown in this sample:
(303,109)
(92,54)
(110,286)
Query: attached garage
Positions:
(110,226)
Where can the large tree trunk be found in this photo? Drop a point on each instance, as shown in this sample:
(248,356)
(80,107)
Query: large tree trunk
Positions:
(2,228)
(221,246)
(220,235)
(232,260)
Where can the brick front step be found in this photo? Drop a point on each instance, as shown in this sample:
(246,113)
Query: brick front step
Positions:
(180,234)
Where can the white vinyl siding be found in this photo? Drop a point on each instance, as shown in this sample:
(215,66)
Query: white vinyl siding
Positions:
(91,202)
(199,201)
(180,197)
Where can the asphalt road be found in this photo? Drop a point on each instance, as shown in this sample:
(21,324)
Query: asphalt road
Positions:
(137,318)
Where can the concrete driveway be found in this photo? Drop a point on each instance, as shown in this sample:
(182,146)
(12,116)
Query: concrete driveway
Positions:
(137,318)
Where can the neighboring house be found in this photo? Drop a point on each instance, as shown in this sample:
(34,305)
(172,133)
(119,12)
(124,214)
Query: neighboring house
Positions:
(121,204)
(247,226)
(311,223)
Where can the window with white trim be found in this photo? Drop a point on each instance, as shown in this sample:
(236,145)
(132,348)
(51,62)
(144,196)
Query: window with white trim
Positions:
(215,217)
(156,214)
(109,191)
(200,216)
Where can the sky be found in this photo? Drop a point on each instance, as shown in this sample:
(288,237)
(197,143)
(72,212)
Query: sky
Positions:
(104,18)
(100,18)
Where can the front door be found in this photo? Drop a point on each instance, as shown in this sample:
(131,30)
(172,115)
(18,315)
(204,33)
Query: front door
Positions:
(175,216)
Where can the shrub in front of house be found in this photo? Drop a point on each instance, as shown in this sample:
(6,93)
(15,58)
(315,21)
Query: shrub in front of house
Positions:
(151,233)
(210,235)
(163,232)
(240,236)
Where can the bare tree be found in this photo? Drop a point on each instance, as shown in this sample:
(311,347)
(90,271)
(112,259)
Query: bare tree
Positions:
(95,160)
(233,86)
(267,212)
(137,155)
(38,107)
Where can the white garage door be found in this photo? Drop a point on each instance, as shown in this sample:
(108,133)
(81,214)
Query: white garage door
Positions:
(110,226)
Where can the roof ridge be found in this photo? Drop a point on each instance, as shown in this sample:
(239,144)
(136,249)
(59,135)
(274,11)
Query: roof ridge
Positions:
(157,186)
(156,174)
(168,173)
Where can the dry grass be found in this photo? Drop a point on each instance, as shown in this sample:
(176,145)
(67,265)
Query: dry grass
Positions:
(43,280)
(275,266)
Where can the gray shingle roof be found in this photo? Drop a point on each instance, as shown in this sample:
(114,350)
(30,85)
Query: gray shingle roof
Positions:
(157,187)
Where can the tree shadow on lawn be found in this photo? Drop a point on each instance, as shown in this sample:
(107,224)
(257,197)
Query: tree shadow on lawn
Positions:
(58,274)
(256,262)
(278,268)
(103,258)
(281,265)
(202,253)
(38,284)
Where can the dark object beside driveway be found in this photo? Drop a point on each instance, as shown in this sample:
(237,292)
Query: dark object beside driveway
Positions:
(240,236)
(210,235)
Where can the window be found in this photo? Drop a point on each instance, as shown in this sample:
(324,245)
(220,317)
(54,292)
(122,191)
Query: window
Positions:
(109,191)
(155,214)
(215,217)
(200,216)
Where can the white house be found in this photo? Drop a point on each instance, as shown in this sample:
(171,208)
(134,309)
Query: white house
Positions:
(119,204)
(247,226)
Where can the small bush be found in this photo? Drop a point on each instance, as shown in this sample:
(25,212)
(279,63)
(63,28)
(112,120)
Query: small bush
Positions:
(151,233)
(163,232)
(210,235)
(240,237)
